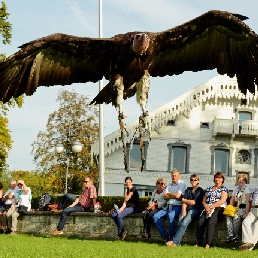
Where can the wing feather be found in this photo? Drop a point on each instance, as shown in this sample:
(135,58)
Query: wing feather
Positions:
(214,40)
(57,59)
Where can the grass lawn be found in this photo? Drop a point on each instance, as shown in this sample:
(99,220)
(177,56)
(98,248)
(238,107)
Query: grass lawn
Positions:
(33,246)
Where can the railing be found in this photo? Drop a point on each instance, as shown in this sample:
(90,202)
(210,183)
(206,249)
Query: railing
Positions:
(234,126)
(220,86)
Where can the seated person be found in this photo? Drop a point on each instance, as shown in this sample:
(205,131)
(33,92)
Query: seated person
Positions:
(191,209)
(2,207)
(23,195)
(80,204)
(11,214)
(130,205)
(156,203)
(214,202)
(241,195)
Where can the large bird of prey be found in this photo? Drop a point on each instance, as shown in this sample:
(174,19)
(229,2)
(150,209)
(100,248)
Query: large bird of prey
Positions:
(216,39)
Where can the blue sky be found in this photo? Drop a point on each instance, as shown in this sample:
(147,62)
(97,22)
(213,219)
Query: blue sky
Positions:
(35,19)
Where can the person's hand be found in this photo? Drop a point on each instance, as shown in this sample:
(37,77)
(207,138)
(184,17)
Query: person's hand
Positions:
(183,214)
(10,196)
(207,209)
(244,216)
(120,210)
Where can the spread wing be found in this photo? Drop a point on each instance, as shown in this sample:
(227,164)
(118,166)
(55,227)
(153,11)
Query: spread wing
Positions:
(214,40)
(57,59)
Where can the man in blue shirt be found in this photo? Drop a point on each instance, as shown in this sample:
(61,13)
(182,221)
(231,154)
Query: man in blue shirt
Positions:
(173,195)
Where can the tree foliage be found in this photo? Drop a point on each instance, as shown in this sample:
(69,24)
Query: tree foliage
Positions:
(5,27)
(74,120)
(5,137)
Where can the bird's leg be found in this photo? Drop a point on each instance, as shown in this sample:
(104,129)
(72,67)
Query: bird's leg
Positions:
(118,86)
(142,89)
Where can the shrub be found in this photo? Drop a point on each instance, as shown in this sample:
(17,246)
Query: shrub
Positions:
(107,202)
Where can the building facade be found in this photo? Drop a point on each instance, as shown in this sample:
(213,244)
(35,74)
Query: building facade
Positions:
(211,128)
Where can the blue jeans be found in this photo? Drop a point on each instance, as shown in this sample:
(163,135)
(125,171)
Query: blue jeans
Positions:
(118,218)
(176,209)
(183,224)
(67,199)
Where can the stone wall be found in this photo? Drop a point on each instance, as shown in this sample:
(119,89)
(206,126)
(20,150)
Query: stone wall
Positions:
(100,226)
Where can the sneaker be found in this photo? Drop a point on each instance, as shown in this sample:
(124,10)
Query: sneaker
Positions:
(13,233)
(123,235)
(57,232)
(246,246)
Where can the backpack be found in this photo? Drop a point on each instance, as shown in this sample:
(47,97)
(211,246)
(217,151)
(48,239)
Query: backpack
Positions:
(44,201)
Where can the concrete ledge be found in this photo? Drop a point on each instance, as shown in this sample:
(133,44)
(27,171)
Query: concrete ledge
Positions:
(89,225)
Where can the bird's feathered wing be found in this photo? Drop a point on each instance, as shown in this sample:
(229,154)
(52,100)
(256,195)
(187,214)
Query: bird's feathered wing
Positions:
(214,40)
(57,59)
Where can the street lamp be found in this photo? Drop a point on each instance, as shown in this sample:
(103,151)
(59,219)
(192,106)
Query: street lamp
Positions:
(75,147)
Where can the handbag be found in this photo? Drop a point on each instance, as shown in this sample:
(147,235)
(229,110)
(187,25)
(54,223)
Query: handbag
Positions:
(22,209)
(231,210)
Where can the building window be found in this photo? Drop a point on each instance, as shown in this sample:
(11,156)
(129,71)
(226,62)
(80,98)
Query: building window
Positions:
(244,115)
(221,159)
(179,154)
(134,160)
(171,122)
(204,125)
(243,156)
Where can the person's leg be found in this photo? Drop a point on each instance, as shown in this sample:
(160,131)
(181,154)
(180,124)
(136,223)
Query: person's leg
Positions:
(201,229)
(150,221)
(145,216)
(237,222)
(14,216)
(9,217)
(157,220)
(176,210)
(66,212)
(120,216)
(212,221)
(247,232)
(229,222)
(66,199)
(182,226)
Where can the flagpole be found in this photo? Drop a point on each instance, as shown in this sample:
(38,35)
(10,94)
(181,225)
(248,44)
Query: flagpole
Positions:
(101,122)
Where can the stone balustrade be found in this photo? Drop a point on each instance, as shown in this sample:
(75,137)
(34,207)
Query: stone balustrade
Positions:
(89,225)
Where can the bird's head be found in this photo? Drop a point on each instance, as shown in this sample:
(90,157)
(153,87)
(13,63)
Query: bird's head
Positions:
(140,43)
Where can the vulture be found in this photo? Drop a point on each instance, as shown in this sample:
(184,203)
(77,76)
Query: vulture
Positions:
(216,39)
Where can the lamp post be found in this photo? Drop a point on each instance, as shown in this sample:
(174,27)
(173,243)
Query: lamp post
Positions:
(75,147)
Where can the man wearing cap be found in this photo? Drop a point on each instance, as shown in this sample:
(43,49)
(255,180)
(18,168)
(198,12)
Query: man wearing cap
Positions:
(80,204)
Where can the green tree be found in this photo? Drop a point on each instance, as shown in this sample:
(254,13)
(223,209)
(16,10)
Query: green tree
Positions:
(5,137)
(74,120)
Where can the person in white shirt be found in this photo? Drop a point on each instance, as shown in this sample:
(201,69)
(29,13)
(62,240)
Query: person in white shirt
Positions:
(23,195)
(10,198)
(173,195)
(250,225)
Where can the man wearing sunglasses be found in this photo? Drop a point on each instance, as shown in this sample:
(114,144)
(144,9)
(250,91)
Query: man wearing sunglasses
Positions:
(80,204)
(191,209)
(173,195)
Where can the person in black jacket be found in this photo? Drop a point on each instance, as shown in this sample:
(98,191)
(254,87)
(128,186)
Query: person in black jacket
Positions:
(130,205)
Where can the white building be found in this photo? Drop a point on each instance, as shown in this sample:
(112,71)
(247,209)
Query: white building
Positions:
(210,128)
